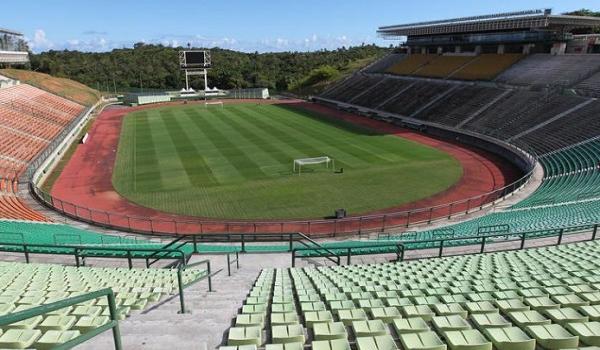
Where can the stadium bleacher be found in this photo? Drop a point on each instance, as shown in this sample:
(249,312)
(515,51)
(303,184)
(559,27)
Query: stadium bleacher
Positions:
(415,97)
(30,118)
(25,286)
(545,69)
(410,64)
(486,66)
(443,66)
(386,62)
(590,87)
(543,297)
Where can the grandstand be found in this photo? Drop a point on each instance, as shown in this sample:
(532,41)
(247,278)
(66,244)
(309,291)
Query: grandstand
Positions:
(13,48)
(524,99)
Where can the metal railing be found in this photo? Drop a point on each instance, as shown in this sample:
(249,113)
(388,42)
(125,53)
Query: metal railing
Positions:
(348,251)
(44,309)
(80,252)
(315,228)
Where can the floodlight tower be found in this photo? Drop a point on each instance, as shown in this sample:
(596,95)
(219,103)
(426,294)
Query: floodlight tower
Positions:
(195,62)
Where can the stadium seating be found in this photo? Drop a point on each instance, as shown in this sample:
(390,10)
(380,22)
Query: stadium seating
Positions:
(544,69)
(521,111)
(543,297)
(486,66)
(577,127)
(30,119)
(411,64)
(590,87)
(382,65)
(415,97)
(460,104)
(443,66)
(352,87)
(372,98)
(24,286)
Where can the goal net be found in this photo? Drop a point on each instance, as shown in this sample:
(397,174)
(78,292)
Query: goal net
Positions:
(211,104)
(299,163)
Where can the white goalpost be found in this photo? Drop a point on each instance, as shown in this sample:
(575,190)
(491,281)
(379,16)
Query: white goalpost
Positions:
(215,103)
(298,163)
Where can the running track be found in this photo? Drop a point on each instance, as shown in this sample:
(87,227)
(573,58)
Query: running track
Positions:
(86,183)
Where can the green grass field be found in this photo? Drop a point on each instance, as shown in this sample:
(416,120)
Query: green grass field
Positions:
(236,162)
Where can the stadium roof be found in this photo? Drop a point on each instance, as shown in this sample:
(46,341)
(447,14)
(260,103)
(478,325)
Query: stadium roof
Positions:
(531,19)
(8,31)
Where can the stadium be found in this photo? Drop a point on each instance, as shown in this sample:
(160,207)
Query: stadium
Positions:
(444,194)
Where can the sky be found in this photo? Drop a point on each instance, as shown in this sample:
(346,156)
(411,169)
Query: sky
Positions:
(251,25)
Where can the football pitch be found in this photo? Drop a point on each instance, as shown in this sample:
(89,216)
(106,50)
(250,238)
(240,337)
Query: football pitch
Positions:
(235,162)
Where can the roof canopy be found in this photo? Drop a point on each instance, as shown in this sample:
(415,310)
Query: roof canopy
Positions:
(531,19)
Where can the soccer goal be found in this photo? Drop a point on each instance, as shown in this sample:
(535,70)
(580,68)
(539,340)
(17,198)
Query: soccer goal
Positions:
(215,103)
(299,163)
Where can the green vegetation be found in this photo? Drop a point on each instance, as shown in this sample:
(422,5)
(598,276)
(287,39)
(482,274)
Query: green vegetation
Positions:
(157,67)
(63,87)
(236,162)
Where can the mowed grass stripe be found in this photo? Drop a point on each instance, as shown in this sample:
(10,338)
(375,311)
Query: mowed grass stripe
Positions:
(343,152)
(257,135)
(145,158)
(234,155)
(198,173)
(321,128)
(311,146)
(221,168)
(251,146)
(283,152)
(170,169)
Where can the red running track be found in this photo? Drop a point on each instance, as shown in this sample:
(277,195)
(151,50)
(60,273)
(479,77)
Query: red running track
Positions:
(86,183)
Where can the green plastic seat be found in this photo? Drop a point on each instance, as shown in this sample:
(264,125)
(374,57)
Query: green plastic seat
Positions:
(410,325)
(422,311)
(254,309)
(336,344)
(338,305)
(244,336)
(381,342)
(592,297)
(588,332)
(285,346)
(450,309)
(386,314)
(369,304)
(250,320)
(284,319)
(470,339)
(480,307)
(491,320)
(422,341)
(57,323)
(329,331)
(591,311)
(570,300)
(565,315)
(240,347)
(397,302)
(313,317)
(351,315)
(287,334)
(283,308)
(450,323)
(87,323)
(51,339)
(19,338)
(509,305)
(553,337)
(369,328)
(528,318)
(509,338)
(541,303)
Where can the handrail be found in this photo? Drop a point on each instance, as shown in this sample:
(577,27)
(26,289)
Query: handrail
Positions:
(82,251)
(182,286)
(319,246)
(44,309)
(347,251)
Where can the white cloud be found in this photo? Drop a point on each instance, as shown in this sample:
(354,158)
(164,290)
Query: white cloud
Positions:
(100,43)
(40,42)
